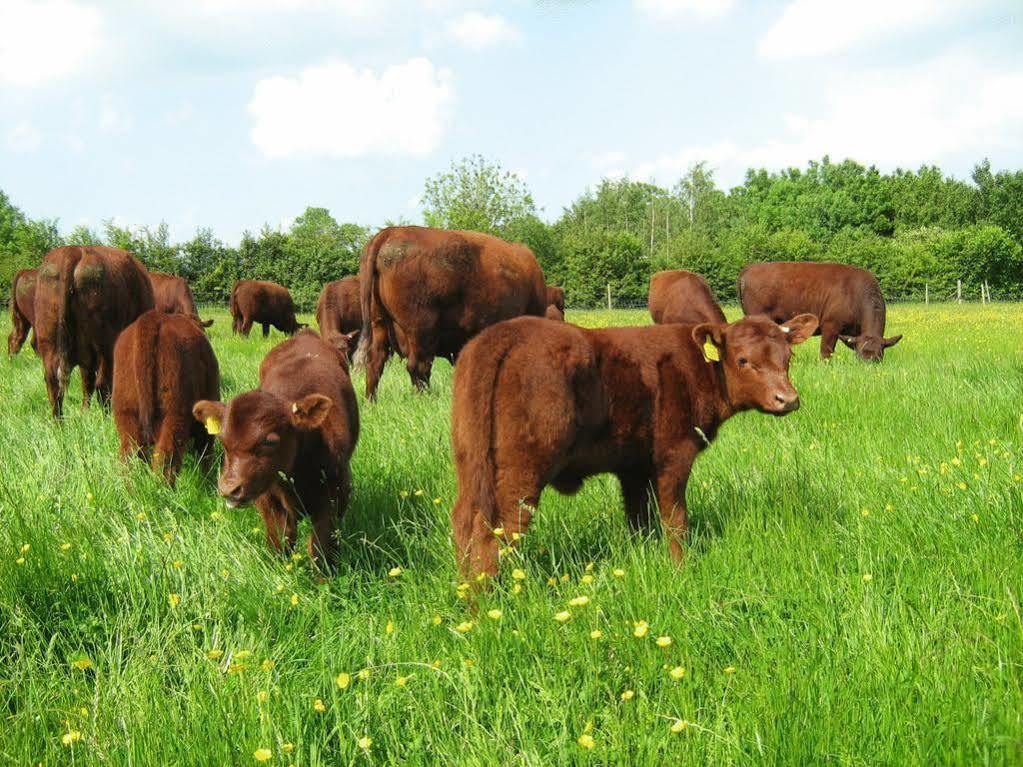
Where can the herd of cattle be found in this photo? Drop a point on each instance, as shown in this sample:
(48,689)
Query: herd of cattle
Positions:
(537,401)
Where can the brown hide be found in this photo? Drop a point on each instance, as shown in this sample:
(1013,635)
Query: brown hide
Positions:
(556,297)
(262,303)
(172,295)
(681,296)
(85,296)
(23,296)
(338,311)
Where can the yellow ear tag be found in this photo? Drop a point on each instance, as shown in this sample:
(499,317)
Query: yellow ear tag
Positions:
(213,425)
(710,351)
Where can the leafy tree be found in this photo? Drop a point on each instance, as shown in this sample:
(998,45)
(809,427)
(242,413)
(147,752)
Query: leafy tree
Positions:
(476,194)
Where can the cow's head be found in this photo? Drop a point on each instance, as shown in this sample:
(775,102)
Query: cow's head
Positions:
(870,348)
(345,342)
(260,434)
(754,355)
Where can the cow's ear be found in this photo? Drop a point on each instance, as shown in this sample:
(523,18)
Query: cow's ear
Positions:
(310,411)
(710,337)
(891,341)
(799,328)
(210,413)
(206,323)
(350,337)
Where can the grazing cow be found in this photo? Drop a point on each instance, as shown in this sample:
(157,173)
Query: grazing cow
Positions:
(426,292)
(172,295)
(85,296)
(681,296)
(287,444)
(163,365)
(556,297)
(338,312)
(554,313)
(265,303)
(639,402)
(847,300)
(23,296)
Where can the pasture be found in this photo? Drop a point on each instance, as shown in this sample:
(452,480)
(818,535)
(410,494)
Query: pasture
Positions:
(851,593)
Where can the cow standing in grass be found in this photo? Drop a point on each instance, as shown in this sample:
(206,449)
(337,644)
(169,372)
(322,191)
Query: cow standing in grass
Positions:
(682,296)
(287,444)
(339,312)
(426,292)
(163,365)
(23,296)
(85,296)
(640,403)
(556,298)
(263,303)
(847,300)
(172,295)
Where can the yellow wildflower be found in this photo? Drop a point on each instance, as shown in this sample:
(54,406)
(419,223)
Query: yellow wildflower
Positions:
(729,669)
(628,695)
(867,577)
(678,725)
(562,616)
(437,620)
(262,754)
(366,742)
(287,748)
(495,614)
(363,674)
(294,600)
(394,572)
(586,579)
(343,680)
(25,548)
(464,627)
(215,654)
(640,629)
(173,600)
(677,673)
(389,628)
(318,706)
(70,738)
(267,664)
(498,532)
(262,696)
(65,546)
(663,641)
(82,663)
(618,572)
(401,681)
(579,601)
(585,740)
(596,634)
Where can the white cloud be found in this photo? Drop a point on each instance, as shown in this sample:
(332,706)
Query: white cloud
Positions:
(817,27)
(953,105)
(24,137)
(45,39)
(114,120)
(339,111)
(673,8)
(477,31)
(354,8)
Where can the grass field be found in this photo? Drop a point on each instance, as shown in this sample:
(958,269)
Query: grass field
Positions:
(851,593)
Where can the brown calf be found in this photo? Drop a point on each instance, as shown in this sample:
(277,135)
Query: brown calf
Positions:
(23,296)
(681,296)
(554,313)
(163,365)
(339,312)
(287,444)
(172,295)
(640,403)
(85,296)
(263,303)
(556,297)
(846,299)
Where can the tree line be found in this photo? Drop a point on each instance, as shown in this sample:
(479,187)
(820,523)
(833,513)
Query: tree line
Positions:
(916,230)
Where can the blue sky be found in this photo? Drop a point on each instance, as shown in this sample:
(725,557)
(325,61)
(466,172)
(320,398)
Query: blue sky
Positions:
(232,113)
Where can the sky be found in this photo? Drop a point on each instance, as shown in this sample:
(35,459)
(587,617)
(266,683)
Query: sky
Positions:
(232,114)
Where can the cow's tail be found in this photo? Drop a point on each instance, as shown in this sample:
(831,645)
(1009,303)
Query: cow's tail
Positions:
(234,307)
(472,438)
(147,336)
(64,337)
(368,298)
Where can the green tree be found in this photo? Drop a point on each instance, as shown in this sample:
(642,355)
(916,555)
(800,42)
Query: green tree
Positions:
(476,194)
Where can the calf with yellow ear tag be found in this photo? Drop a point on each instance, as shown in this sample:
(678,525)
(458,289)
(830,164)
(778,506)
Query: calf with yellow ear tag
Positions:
(288,444)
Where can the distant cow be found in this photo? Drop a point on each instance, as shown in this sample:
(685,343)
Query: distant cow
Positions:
(23,296)
(681,296)
(554,313)
(172,295)
(263,303)
(287,444)
(640,403)
(556,297)
(426,292)
(163,365)
(85,296)
(847,300)
(338,312)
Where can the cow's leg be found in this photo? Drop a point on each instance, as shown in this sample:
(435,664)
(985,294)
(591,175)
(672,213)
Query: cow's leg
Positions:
(88,374)
(322,508)
(281,525)
(266,329)
(829,335)
(376,359)
(105,377)
(170,448)
(246,326)
(56,377)
(18,333)
(419,365)
(672,477)
(129,431)
(636,496)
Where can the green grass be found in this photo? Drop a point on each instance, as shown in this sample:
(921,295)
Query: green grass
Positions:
(856,566)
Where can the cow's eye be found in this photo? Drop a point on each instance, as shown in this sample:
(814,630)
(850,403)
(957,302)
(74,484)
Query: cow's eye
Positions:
(743,361)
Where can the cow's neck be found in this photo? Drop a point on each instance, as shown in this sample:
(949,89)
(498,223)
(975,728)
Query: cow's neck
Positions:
(711,406)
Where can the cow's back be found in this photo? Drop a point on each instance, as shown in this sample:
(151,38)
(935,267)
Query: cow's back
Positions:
(836,293)
(682,296)
(23,293)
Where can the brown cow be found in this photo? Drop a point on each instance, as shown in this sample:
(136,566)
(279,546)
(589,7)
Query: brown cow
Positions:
(639,402)
(552,312)
(23,296)
(85,296)
(338,312)
(556,297)
(163,365)
(426,292)
(172,295)
(847,300)
(681,296)
(287,444)
(265,303)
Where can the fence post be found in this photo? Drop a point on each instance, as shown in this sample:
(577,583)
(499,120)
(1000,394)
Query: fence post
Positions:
(959,291)
(987,287)
(609,295)
(927,293)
